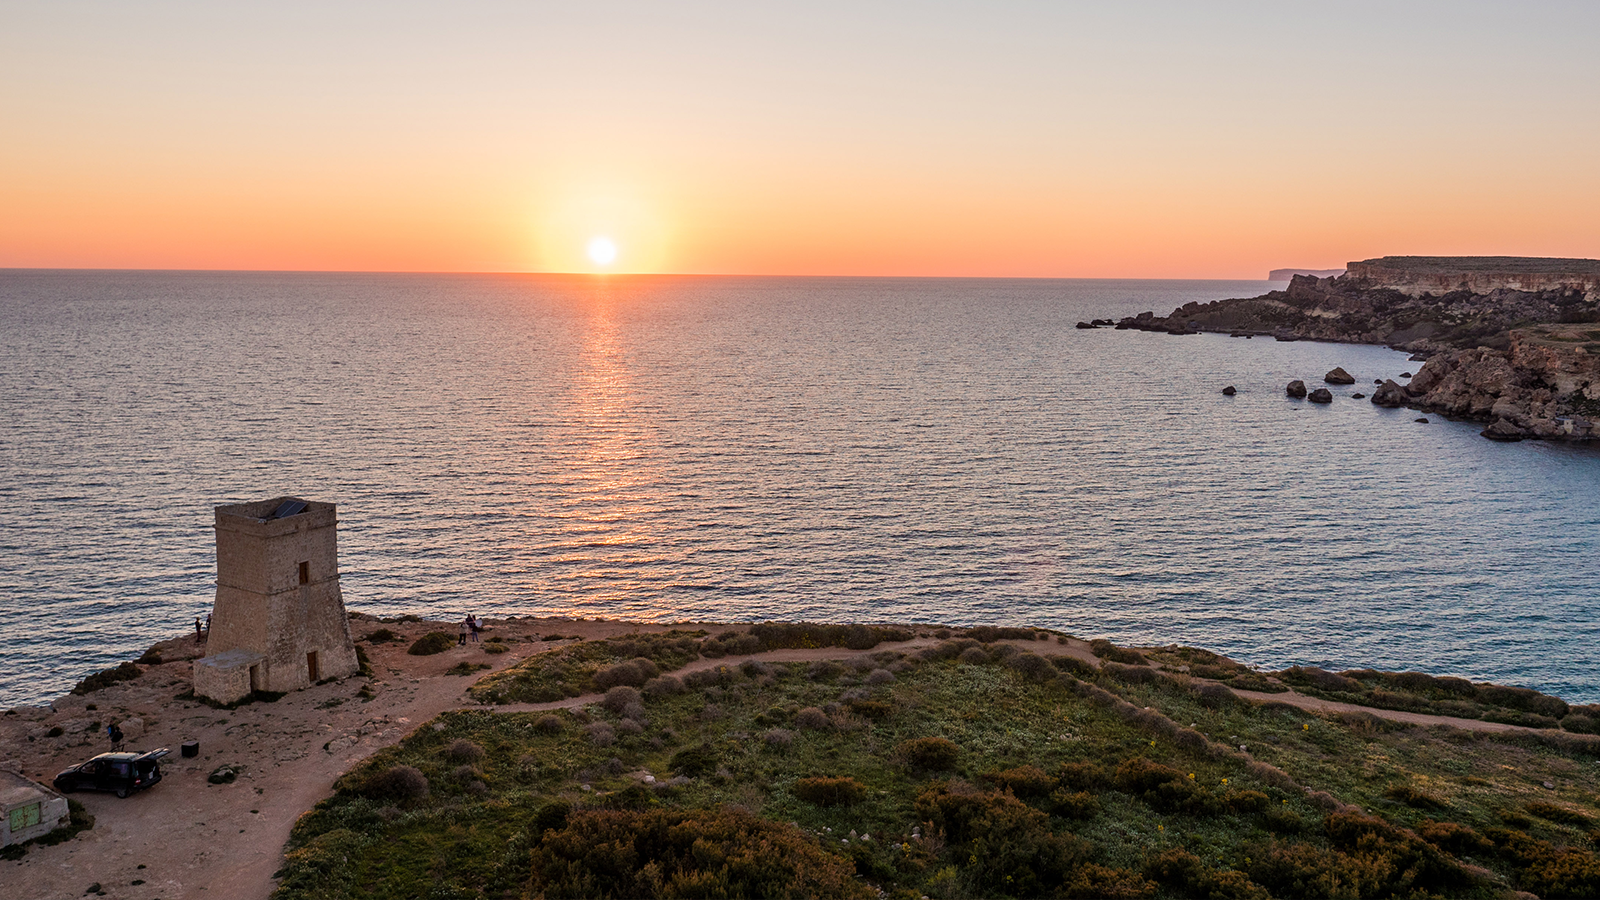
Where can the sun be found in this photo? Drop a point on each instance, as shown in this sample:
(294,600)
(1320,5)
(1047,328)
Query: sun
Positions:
(602,251)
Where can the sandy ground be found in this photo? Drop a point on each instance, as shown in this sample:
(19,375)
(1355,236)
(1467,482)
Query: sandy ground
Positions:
(186,838)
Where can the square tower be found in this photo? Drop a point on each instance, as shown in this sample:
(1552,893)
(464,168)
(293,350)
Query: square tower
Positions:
(278,623)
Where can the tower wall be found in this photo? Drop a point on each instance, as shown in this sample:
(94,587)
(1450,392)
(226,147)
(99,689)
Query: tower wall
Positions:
(278,594)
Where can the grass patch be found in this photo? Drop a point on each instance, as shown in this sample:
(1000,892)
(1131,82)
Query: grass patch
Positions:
(1055,785)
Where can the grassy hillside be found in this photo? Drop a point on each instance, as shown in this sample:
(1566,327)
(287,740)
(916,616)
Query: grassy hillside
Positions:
(959,770)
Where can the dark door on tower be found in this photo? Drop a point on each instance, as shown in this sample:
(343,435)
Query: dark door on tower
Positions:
(311,666)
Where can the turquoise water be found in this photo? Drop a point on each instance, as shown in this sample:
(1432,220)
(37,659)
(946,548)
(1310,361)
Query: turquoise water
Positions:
(734,449)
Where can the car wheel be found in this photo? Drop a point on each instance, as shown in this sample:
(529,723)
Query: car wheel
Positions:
(122,793)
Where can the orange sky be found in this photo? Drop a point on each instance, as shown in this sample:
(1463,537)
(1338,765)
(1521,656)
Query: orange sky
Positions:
(1156,140)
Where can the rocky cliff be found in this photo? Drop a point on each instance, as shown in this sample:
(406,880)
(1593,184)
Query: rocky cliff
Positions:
(1510,341)
(1419,275)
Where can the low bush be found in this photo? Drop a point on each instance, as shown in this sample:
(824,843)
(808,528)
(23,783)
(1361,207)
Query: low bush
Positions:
(549,724)
(619,698)
(463,751)
(695,762)
(934,754)
(827,791)
(1077,805)
(600,734)
(1453,837)
(1010,846)
(1024,781)
(495,648)
(974,656)
(879,677)
(399,783)
(1165,788)
(1083,776)
(870,709)
(1094,882)
(633,673)
(381,636)
(812,719)
(1545,869)
(125,672)
(1581,723)
(1188,876)
(988,634)
(800,635)
(1033,667)
(672,854)
(431,643)
(1410,796)
(1560,814)
(1112,653)
(1322,680)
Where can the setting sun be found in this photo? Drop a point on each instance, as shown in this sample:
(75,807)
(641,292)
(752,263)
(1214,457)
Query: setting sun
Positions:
(602,251)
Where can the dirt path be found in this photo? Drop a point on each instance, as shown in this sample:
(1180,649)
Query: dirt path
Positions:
(1318,705)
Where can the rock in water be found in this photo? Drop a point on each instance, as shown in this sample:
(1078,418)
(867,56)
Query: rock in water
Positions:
(1296,389)
(1358,396)
(1421,419)
(1391,395)
(1085,325)
(1321,395)
(1229,391)
(1339,376)
(1502,430)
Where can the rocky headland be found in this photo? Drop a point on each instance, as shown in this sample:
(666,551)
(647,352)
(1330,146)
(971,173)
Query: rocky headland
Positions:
(1510,341)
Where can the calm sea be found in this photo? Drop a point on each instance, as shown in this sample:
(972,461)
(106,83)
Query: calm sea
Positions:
(739,449)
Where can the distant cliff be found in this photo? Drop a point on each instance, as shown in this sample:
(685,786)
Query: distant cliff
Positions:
(1415,276)
(1286,274)
(1513,341)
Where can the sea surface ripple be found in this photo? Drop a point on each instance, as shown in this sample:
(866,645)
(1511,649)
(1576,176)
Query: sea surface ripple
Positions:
(739,449)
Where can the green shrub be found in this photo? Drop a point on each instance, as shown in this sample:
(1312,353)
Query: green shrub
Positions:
(1412,797)
(1009,846)
(696,761)
(464,751)
(1546,870)
(1079,805)
(1560,814)
(431,643)
(1083,776)
(125,672)
(1183,872)
(671,854)
(1165,788)
(930,753)
(824,791)
(403,783)
(1111,652)
(1092,882)
(870,709)
(495,648)
(1024,781)
(800,635)
(381,636)
(1453,837)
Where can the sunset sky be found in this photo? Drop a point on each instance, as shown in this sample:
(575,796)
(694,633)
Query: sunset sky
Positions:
(1175,139)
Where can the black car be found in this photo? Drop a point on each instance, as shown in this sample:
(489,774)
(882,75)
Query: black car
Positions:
(123,773)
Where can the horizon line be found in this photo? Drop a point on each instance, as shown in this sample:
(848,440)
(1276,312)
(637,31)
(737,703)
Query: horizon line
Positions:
(514,272)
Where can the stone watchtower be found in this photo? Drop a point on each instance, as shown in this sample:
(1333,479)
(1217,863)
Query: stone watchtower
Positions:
(279,622)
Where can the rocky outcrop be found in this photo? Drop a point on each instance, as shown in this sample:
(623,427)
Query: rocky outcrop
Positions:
(1504,338)
(1390,394)
(1547,385)
(1321,395)
(1296,389)
(1362,310)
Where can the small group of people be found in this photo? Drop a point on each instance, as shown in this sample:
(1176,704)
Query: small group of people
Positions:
(470,625)
(200,633)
